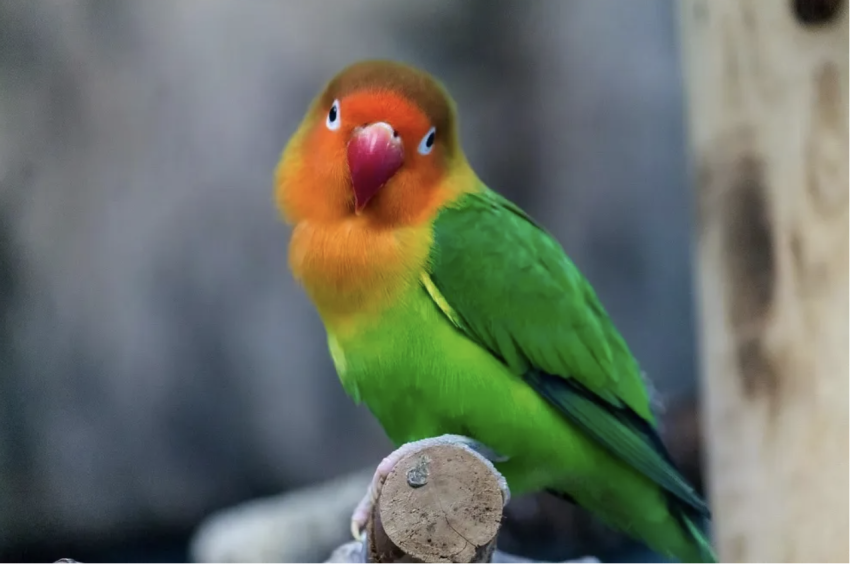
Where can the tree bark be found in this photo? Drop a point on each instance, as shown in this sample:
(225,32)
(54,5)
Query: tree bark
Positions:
(767,89)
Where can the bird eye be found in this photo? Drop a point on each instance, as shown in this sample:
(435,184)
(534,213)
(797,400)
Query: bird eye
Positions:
(333,120)
(427,142)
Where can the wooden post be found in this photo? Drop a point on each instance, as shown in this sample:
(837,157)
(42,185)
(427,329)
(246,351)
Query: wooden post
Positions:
(439,504)
(767,96)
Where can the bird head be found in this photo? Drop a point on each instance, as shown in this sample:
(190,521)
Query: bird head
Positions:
(377,142)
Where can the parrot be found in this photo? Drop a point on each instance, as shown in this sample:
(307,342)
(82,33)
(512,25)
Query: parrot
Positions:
(453,315)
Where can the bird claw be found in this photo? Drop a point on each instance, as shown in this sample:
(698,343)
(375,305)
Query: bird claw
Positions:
(360,516)
(358,529)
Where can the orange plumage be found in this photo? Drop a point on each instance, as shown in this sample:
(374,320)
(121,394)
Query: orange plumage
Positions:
(351,262)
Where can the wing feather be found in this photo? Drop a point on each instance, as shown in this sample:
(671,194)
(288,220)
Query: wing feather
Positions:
(507,284)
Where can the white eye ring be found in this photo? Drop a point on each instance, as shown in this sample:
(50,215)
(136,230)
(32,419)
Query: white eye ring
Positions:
(333,120)
(427,143)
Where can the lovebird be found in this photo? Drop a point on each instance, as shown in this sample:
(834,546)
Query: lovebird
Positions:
(451,313)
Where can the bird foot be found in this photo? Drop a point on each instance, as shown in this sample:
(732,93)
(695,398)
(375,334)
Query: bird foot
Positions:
(364,509)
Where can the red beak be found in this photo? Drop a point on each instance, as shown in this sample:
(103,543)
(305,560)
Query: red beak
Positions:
(375,153)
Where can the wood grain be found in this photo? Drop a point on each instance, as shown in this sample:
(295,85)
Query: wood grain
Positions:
(439,504)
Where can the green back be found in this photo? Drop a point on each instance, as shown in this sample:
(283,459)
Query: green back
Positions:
(508,285)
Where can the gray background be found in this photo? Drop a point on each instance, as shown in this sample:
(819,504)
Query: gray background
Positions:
(157,361)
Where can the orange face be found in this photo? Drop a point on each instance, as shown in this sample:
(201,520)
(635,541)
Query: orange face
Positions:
(371,152)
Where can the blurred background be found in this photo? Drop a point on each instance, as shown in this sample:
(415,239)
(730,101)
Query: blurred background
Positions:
(157,361)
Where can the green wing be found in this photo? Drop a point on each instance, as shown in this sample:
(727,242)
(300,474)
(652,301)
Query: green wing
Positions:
(509,286)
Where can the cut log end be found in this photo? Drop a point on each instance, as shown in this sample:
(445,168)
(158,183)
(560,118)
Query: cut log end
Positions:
(439,504)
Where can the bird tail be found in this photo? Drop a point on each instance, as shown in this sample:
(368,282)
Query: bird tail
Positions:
(702,550)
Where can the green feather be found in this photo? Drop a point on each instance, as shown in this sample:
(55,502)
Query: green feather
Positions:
(508,285)
(524,300)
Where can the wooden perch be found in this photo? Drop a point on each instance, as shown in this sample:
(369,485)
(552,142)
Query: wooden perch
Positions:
(439,504)
(298,525)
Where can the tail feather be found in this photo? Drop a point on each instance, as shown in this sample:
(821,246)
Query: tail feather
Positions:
(703,551)
(692,544)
